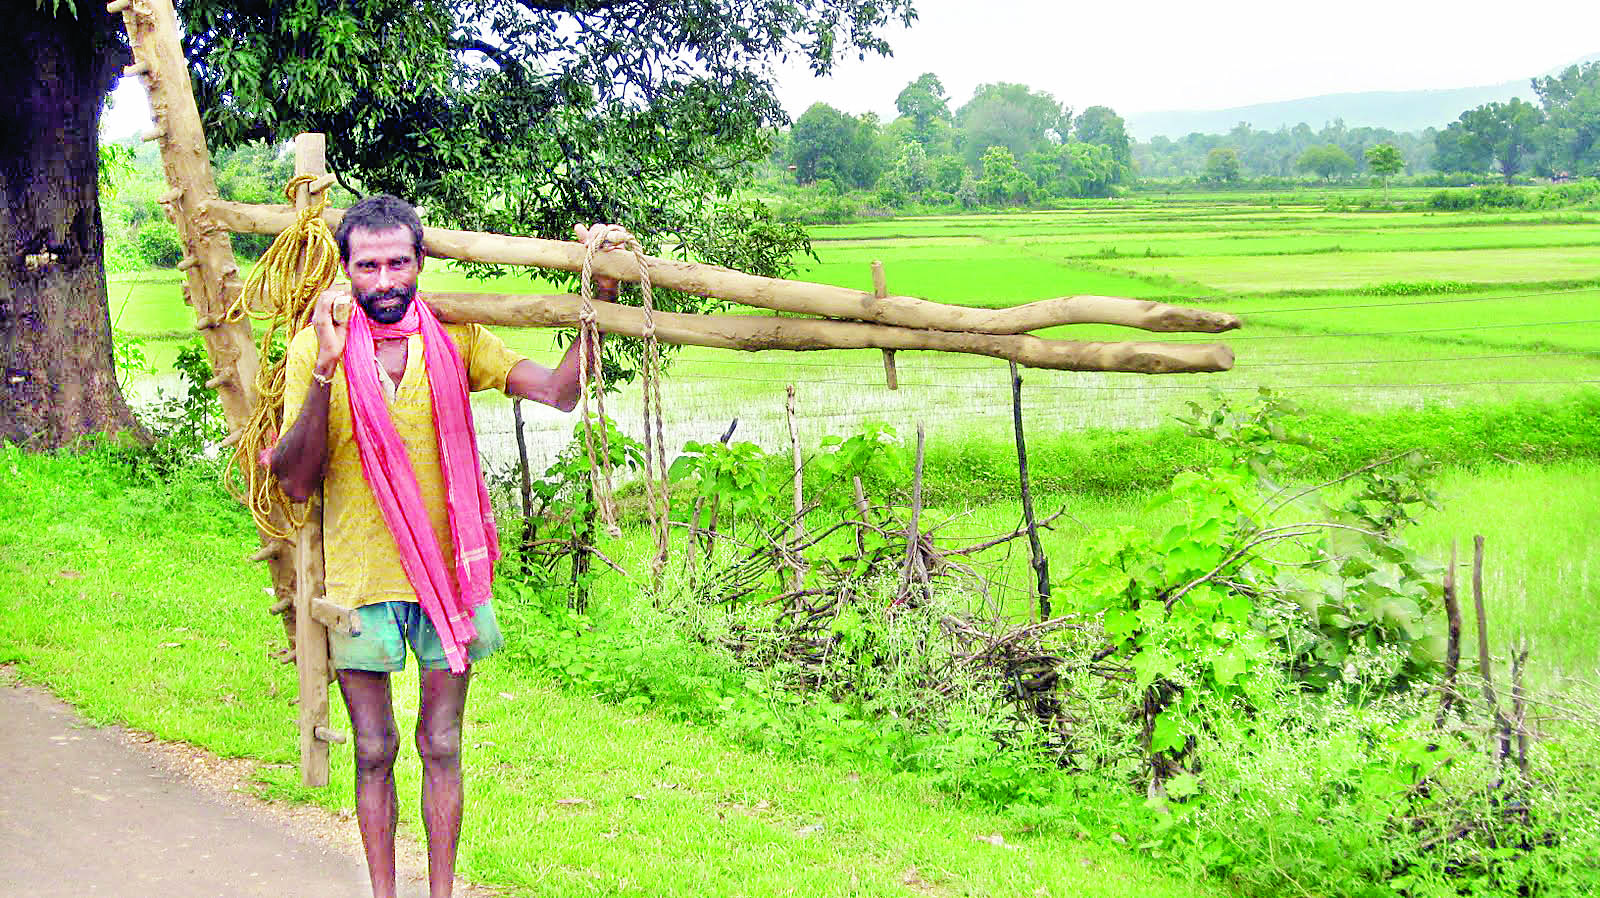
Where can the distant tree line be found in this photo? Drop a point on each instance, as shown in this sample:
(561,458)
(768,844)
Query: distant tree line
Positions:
(1007,146)
(1559,137)
(1246,153)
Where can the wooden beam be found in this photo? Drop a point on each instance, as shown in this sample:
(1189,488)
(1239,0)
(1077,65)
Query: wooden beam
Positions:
(333,617)
(762,292)
(312,611)
(311,648)
(763,332)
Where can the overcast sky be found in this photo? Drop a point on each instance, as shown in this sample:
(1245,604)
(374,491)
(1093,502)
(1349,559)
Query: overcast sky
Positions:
(1165,55)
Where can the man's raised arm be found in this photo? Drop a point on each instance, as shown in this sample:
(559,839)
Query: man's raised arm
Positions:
(301,457)
(558,387)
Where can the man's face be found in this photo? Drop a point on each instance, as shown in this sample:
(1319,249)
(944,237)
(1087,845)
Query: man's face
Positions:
(383,269)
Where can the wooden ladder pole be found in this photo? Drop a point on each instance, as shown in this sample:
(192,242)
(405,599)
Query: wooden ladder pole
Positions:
(211,277)
(211,274)
(311,636)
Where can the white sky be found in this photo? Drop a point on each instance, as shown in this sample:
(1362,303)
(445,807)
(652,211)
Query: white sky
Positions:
(1165,55)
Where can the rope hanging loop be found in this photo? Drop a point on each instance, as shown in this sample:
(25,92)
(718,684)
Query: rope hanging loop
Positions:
(602,237)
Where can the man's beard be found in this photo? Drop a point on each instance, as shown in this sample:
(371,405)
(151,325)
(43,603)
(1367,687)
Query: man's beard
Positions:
(369,303)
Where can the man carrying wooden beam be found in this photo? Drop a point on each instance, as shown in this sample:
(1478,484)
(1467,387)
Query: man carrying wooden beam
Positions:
(382,423)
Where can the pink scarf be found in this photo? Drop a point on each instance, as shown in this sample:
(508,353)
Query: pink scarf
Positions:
(394,484)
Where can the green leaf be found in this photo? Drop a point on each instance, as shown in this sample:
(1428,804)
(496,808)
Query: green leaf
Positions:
(1183,785)
(1167,734)
(1120,622)
(1237,607)
(1229,665)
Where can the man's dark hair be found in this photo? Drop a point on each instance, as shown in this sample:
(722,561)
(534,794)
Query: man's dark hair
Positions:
(379,212)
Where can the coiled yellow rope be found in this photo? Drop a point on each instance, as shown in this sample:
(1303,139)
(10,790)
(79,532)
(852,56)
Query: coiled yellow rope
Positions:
(282,290)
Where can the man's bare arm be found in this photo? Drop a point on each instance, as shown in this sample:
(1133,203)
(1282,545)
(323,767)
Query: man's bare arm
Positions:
(557,387)
(300,459)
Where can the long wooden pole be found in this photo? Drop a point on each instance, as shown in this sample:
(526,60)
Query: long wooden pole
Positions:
(762,332)
(311,636)
(211,277)
(763,292)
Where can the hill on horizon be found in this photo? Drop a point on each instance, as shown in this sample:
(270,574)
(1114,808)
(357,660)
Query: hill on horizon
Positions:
(1399,110)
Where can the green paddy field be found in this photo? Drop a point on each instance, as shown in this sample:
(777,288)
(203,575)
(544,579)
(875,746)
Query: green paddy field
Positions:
(1370,309)
(1367,313)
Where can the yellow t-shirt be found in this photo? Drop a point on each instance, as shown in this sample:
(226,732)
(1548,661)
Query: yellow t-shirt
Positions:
(363,564)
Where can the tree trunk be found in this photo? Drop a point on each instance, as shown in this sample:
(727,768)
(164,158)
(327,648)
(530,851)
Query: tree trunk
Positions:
(59,381)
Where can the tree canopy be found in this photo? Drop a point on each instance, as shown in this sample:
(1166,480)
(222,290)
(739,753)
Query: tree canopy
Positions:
(923,101)
(523,116)
(1013,116)
(826,144)
(1504,132)
(1101,125)
(1326,161)
(1571,131)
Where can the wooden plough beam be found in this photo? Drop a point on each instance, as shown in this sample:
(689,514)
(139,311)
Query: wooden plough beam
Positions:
(845,318)
(849,319)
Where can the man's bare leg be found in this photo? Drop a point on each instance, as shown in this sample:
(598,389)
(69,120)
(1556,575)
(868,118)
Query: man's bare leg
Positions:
(439,713)
(366,695)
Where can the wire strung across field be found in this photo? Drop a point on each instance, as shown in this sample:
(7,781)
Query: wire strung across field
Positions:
(1414,360)
(1425,302)
(1006,384)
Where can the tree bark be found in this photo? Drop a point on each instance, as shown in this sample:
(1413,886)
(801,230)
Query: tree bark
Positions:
(57,378)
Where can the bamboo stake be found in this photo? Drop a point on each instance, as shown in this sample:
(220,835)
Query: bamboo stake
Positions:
(797,533)
(762,332)
(1041,564)
(916,568)
(861,513)
(763,292)
(1452,659)
(524,551)
(1519,702)
(1485,669)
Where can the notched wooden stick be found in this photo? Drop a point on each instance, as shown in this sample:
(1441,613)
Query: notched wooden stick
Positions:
(824,300)
(754,333)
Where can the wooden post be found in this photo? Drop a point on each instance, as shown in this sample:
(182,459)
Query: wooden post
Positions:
(311,636)
(1500,748)
(880,290)
(211,273)
(1041,564)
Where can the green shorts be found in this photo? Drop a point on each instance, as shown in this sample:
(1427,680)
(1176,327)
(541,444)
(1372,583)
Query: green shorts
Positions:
(386,628)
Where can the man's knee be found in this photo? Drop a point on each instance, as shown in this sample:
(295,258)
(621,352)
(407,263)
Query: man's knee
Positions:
(440,744)
(377,751)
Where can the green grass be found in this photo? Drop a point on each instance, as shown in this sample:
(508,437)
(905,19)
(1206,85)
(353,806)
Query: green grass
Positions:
(132,600)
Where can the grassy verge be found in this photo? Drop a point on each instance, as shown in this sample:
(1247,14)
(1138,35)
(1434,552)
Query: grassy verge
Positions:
(131,599)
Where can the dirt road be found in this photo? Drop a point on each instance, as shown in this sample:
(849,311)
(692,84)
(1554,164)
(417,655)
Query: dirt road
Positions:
(98,811)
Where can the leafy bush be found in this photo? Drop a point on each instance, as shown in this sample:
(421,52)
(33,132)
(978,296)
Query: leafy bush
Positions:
(1235,710)
(158,244)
